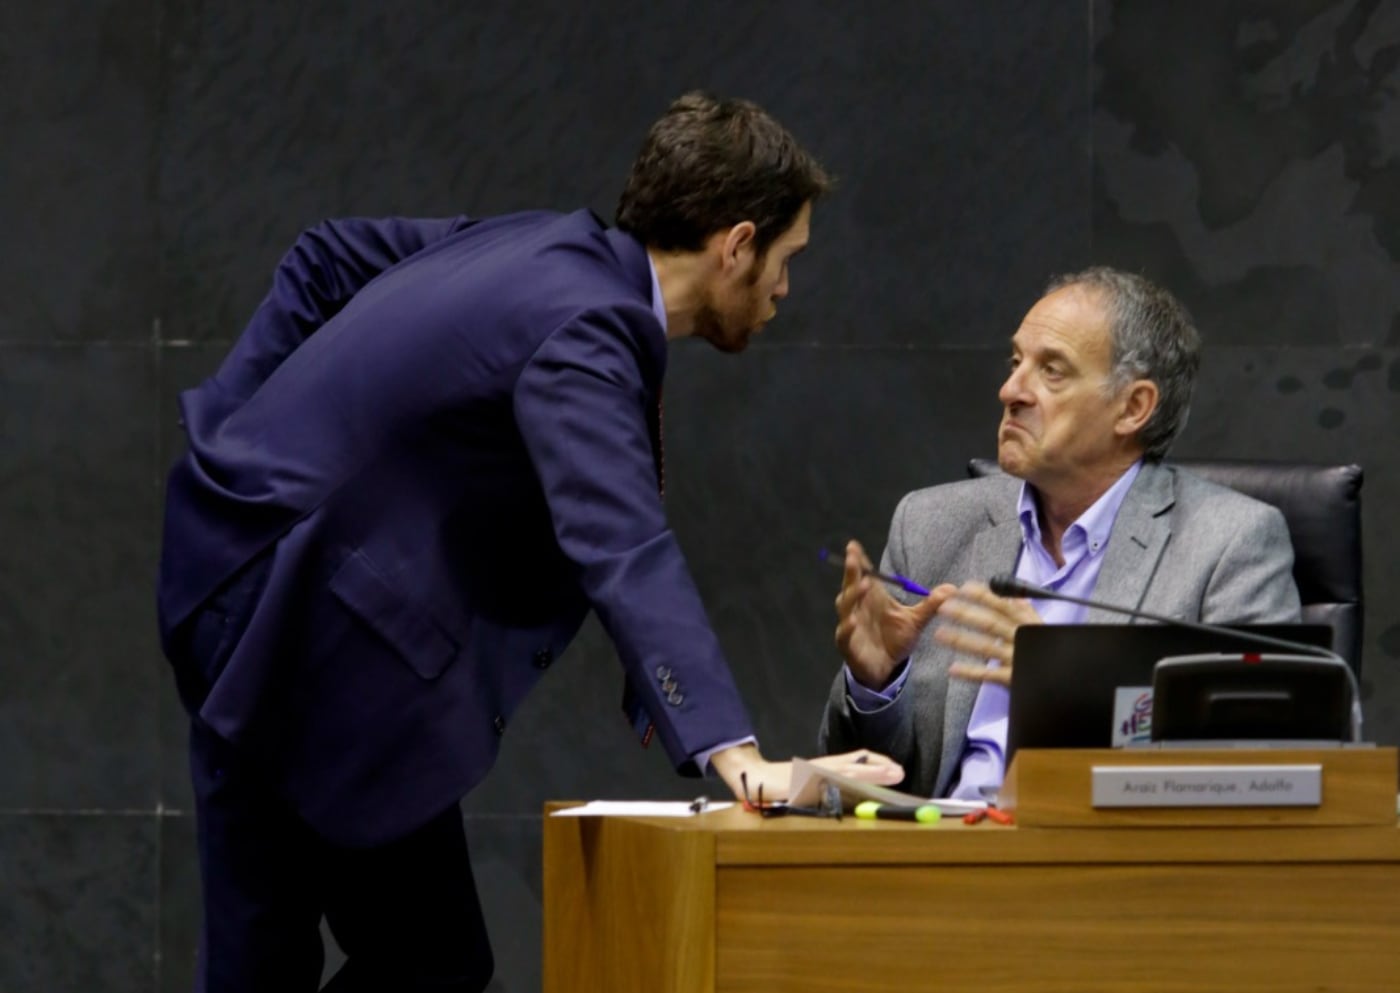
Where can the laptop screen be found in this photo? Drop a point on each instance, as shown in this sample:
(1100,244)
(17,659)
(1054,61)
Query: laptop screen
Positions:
(1068,677)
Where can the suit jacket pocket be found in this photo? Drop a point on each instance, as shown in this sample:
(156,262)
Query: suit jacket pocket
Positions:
(413,633)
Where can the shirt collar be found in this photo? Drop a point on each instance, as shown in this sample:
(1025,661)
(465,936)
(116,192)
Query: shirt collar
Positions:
(658,305)
(1093,526)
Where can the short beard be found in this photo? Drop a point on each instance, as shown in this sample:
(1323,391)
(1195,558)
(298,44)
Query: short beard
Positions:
(710,324)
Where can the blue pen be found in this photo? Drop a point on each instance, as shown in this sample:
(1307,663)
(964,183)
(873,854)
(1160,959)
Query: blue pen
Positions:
(900,581)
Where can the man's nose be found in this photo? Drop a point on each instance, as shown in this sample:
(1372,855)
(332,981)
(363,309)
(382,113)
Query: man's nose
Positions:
(1013,389)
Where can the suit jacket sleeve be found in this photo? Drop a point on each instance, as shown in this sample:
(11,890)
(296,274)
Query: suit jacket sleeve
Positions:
(326,266)
(582,405)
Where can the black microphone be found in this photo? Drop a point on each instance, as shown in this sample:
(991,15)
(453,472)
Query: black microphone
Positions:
(1009,586)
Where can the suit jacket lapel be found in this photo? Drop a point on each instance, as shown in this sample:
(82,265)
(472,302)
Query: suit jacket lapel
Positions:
(1139,537)
(994,550)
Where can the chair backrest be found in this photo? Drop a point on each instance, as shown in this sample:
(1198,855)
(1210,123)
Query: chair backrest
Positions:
(1322,507)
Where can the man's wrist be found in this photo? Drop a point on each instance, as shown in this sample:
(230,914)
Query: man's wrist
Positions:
(704,759)
(882,682)
(865,700)
(735,759)
(731,765)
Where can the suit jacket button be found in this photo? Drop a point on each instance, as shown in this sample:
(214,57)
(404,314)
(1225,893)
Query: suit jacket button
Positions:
(543,657)
(675,699)
(499,724)
(663,672)
(669,686)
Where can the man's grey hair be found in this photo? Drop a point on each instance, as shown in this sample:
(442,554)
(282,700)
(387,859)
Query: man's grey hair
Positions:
(1152,337)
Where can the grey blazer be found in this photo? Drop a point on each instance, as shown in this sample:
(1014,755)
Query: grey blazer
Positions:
(1180,546)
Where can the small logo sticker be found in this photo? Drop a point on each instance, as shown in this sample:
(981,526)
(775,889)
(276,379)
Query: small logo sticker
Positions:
(1132,715)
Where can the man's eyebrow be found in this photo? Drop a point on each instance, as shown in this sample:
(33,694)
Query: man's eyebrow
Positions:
(1055,355)
(1049,354)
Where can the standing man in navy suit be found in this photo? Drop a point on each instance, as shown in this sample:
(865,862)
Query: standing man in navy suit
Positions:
(434,449)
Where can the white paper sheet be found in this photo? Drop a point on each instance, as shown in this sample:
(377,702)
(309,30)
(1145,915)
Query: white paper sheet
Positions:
(638,808)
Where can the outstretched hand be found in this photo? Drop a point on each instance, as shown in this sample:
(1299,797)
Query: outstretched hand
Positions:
(743,765)
(874,631)
(978,622)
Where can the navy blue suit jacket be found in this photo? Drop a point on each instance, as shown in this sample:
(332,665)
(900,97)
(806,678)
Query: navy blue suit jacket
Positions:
(433,450)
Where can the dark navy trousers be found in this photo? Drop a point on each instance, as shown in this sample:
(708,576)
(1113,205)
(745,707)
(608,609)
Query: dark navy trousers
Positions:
(405,913)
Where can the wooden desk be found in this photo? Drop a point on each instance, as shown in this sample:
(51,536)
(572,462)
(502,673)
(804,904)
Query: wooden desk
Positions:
(729,901)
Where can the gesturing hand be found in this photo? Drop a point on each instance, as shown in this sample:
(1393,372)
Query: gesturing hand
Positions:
(874,631)
(983,624)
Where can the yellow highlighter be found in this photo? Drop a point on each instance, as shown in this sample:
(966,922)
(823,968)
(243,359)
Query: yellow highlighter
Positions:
(871,810)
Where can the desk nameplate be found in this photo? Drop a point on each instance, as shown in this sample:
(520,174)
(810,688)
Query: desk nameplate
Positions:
(1272,785)
(1049,787)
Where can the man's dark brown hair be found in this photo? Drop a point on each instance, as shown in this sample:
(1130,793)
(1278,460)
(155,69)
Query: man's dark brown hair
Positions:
(709,164)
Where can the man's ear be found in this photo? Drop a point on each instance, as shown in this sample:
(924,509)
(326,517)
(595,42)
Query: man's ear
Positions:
(1139,403)
(737,243)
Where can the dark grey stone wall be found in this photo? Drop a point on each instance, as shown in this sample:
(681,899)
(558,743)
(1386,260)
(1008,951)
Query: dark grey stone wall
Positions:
(158,156)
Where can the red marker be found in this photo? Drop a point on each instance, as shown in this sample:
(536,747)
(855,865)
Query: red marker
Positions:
(988,813)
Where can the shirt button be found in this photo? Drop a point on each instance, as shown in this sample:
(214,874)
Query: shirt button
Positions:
(543,657)
(499,724)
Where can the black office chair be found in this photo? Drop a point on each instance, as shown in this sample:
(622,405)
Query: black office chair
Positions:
(1322,507)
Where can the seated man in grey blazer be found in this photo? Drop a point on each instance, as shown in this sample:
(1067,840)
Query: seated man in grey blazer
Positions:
(1100,381)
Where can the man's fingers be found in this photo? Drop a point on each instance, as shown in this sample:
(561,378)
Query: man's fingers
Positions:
(977,617)
(979,643)
(887,773)
(1023,612)
(1000,675)
(865,765)
(931,604)
(844,630)
(853,548)
(983,624)
(852,563)
(1014,608)
(846,597)
(979,593)
(857,563)
(981,601)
